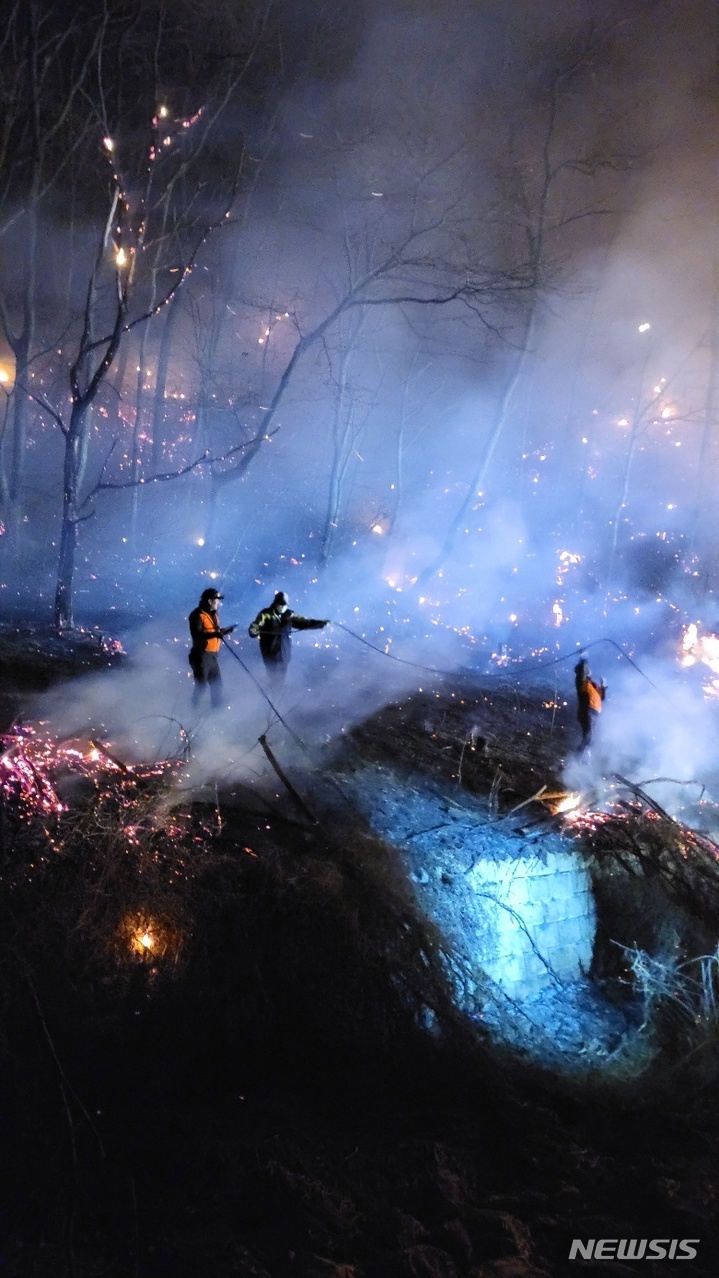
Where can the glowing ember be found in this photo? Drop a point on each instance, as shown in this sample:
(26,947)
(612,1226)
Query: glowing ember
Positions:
(569,803)
(700,648)
(585,819)
(567,559)
(149,937)
(32,765)
(704,649)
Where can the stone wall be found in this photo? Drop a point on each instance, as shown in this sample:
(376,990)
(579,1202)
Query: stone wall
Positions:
(535,919)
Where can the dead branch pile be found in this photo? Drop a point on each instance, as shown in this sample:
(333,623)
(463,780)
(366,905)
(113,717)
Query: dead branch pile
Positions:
(97,873)
(506,744)
(499,743)
(645,844)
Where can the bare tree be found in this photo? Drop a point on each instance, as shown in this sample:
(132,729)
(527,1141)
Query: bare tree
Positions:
(703,515)
(149,244)
(45,70)
(406,249)
(349,417)
(540,193)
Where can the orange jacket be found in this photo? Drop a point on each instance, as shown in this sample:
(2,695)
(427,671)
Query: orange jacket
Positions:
(205,630)
(594,694)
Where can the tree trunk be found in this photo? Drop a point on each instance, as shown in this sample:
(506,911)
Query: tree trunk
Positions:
(640,423)
(704,512)
(136,449)
(634,440)
(163,364)
(22,350)
(4,490)
(118,382)
(480,474)
(18,418)
(341,432)
(75,446)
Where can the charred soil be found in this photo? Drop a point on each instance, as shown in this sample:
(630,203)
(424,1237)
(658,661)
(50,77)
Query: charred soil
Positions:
(231,1045)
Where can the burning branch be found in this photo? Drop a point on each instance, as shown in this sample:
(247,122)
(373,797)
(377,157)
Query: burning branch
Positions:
(32,765)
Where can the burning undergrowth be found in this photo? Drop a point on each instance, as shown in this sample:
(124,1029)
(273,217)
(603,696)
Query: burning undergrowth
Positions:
(125,886)
(656,887)
(95,860)
(546,909)
(583,926)
(160,953)
(179,976)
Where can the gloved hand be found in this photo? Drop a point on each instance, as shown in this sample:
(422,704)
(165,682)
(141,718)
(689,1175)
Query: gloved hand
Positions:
(327,623)
(227,630)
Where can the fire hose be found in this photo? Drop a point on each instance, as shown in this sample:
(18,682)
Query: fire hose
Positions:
(416,665)
(496,674)
(269,701)
(403,661)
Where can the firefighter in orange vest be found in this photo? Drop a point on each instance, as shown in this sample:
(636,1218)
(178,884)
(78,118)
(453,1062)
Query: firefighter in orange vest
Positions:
(207,634)
(590,696)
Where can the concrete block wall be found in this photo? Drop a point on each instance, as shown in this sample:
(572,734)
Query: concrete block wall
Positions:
(535,917)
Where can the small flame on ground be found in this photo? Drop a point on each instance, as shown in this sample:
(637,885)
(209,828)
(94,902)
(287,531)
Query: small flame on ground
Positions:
(569,803)
(697,648)
(149,937)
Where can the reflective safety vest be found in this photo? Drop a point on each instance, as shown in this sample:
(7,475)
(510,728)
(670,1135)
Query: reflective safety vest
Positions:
(203,628)
(594,694)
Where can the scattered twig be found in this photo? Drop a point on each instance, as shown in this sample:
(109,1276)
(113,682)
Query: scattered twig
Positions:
(65,1086)
(286,781)
(643,797)
(493,801)
(218,810)
(445,825)
(674,781)
(524,803)
(113,758)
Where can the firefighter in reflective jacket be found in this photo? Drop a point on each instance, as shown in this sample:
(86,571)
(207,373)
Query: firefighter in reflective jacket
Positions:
(273,627)
(207,634)
(590,696)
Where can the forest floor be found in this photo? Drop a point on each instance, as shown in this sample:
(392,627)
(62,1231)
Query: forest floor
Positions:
(286,1086)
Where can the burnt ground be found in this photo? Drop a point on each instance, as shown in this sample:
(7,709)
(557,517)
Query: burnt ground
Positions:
(290,1090)
(31,659)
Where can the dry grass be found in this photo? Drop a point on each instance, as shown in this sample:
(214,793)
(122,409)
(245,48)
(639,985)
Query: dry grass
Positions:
(282,1070)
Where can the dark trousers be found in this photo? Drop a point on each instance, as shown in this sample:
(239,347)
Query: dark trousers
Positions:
(276,670)
(587,719)
(207,674)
